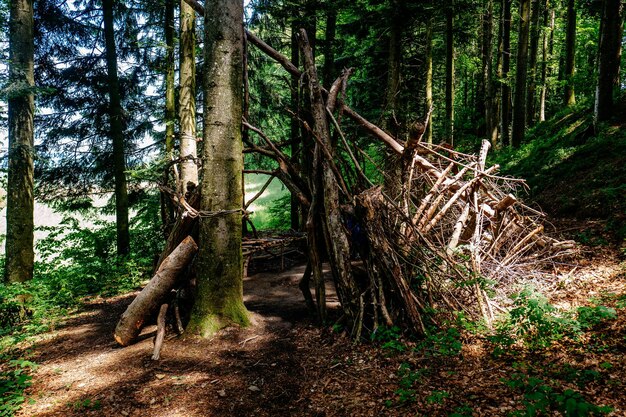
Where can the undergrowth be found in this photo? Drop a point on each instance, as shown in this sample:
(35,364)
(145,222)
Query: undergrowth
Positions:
(74,260)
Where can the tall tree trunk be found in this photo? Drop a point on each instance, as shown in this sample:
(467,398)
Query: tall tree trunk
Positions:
(532,61)
(491,123)
(117,132)
(329,43)
(170,105)
(519,104)
(449,124)
(296,138)
(167,208)
(20,200)
(570,54)
(548,43)
(505,94)
(187,97)
(219,296)
(610,52)
(428,103)
(391,118)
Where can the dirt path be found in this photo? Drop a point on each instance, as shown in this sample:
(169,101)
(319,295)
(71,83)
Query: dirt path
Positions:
(285,366)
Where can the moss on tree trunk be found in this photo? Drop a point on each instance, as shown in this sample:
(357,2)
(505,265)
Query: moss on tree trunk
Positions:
(219,298)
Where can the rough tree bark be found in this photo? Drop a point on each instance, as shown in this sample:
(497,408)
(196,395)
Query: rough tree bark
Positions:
(153,295)
(219,297)
(570,54)
(610,49)
(519,104)
(116,132)
(20,199)
(187,97)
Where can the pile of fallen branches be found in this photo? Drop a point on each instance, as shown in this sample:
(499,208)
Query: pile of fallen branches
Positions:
(448,234)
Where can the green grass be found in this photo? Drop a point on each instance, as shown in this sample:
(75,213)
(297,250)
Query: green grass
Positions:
(272,200)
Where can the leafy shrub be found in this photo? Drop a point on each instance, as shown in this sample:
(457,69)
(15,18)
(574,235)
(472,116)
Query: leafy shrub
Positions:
(540,398)
(445,342)
(533,321)
(279,212)
(13,381)
(390,338)
(589,317)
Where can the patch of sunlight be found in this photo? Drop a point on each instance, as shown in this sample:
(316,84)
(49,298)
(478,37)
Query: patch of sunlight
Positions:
(572,128)
(260,207)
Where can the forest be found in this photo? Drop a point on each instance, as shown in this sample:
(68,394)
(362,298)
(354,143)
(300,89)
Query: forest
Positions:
(312,208)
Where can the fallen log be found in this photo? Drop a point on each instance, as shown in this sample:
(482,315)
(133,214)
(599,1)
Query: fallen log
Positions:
(153,295)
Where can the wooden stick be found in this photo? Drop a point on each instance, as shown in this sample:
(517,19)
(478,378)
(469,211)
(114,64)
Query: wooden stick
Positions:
(160,335)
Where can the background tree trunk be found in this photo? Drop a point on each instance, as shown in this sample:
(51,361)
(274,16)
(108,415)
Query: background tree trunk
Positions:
(548,43)
(491,123)
(428,103)
(296,138)
(187,98)
(519,104)
(20,199)
(219,297)
(505,94)
(170,102)
(329,41)
(449,124)
(610,48)
(570,54)
(532,61)
(117,132)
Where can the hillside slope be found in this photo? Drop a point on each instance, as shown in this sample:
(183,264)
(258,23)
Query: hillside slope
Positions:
(572,172)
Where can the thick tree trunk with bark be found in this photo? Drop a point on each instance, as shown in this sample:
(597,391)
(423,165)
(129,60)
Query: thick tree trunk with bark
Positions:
(449,123)
(187,98)
(20,198)
(610,52)
(570,54)
(505,88)
(155,293)
(116,132)
(219,298)
(519,104)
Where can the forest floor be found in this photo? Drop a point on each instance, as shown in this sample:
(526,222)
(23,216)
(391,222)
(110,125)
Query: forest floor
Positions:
(284,365)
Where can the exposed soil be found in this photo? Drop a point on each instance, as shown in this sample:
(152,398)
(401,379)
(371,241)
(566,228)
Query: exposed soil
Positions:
(284,365)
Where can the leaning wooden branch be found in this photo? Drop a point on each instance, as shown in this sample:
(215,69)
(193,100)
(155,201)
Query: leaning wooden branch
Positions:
(152,296)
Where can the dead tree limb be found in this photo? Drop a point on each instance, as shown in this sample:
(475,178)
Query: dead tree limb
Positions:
(160,335)
(152,296)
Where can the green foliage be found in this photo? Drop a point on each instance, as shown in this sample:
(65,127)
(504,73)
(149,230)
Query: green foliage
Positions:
(533,321)
(86,404)
(462,411)
(76,260)
(437,397)
(14,379)
(408,378)
(589,317)
(279,212)
(573,171)
(445,342)
(390,337)
(540,398)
